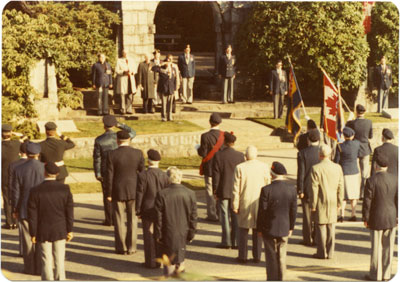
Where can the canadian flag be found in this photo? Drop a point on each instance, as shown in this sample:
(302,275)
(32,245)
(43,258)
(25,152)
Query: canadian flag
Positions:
(331,98)
(367,8)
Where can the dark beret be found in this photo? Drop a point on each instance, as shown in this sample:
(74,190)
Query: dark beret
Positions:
(123,135)
(215,118)
(387,133)
(50,126)
(6,127)
(348,132)
(278,168)
(382,160)
(313,135)
(51,168)
(109,121)
(311,124)
(360,109)
(229,137)
(153,155)
(33,148)
(22,147)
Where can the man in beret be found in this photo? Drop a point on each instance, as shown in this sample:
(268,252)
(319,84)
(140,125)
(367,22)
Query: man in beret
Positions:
(51,217)
(150,182)
(389,150)
(27,176)
(306,158)
(103,144)
(224,164)
(211,142)
(123,166)
(9,153)
(275,222)
(53,149)
(363,131)
(379,214)
(326,198)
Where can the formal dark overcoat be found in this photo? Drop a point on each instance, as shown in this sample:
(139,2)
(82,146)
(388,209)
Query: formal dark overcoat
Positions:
(302,142)
(9,153)
(392,153)
(363,132)
(207,142)
(306,158)
(147,80)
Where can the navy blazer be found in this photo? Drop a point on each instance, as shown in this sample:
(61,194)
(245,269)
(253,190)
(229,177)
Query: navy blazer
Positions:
(27,176)
(392,153)
(363,131)
(277,209)
(187,70)
(227,67)
(347,156)
(276,85)
(101,74)
(207,142)
(383,80)
(165,85)
(306,158)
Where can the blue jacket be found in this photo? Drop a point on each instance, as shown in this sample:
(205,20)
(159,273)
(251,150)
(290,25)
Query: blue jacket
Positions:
(346,156)
(101,75)
(187,70)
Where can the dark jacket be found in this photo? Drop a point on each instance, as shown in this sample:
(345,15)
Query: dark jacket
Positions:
(380,201)
(383,79)
(347,156)
(392,153)
(224,164)
(103,144)
(176,220)
(52,150)
(187,70)
(363,131)
(146,80)
(166,85)
(306,158)
(9,154)
(123,166)
(227,67)
(277,209)
(151,181)
(27,176)
(276,85)
(207,142)
(303,141)
(11,174)
(101,75)
(50,211)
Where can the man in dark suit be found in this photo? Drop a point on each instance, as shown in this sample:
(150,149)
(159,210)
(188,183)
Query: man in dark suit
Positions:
(363,131)
(380,216)
(27,176)
(123,166)
(302,142)
(146,84)
(227,70)
(150,182)
(52,149)
(103,144)
(172,203)
(389,150)
(278,87)
(224,164)
(101,81)
(383,81)
(306,158)
(51,217)
(211,142)
(9,153)
(187,67)
(275,221)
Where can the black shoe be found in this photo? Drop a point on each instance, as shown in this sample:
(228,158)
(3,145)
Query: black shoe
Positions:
(157,265)
(340,219)
(255,260)
(368,278)
(220,246)
(306,243)
(240,260)
(105,223)
(353,218)
(6,226)
(235,247)
(317,256)
(130,252)
(212,219)
(120,252)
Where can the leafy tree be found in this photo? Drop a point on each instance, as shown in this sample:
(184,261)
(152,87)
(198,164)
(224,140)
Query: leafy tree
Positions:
(70,34)
(329,33)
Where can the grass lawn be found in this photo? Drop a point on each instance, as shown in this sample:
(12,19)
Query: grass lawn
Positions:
(86,164)
(142,127)
(276,123)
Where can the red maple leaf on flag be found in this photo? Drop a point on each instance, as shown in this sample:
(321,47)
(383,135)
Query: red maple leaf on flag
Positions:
(331,103)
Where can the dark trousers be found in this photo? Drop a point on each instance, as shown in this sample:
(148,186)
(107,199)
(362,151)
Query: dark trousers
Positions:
(107,207)
(148,106)
(325,237)
(7,206)
(228,223)
(31,252)
(102,100)
(125,226)
(242,243)
(308,225)
(150,253)
(275,257)
(278,100)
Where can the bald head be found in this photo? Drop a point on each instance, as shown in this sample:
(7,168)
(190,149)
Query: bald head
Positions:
(325,151)
(251,152)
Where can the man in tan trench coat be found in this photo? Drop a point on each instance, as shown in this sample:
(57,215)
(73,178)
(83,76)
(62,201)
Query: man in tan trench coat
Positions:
(326,198)
(126,84)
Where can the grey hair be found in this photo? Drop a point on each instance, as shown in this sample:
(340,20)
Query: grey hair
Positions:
(174,174)
(155,163)
(251,152)
(325,150)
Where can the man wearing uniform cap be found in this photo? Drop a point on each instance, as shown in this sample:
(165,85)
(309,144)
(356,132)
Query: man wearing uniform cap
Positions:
(363,131)
(150,182)
(211,142)
(9,153)
(379,214)
(51,217)
(27,176)
(389,150)
(224,164)
(103,144)
(123,166)
(306,158)
(275,222)
(53,149)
